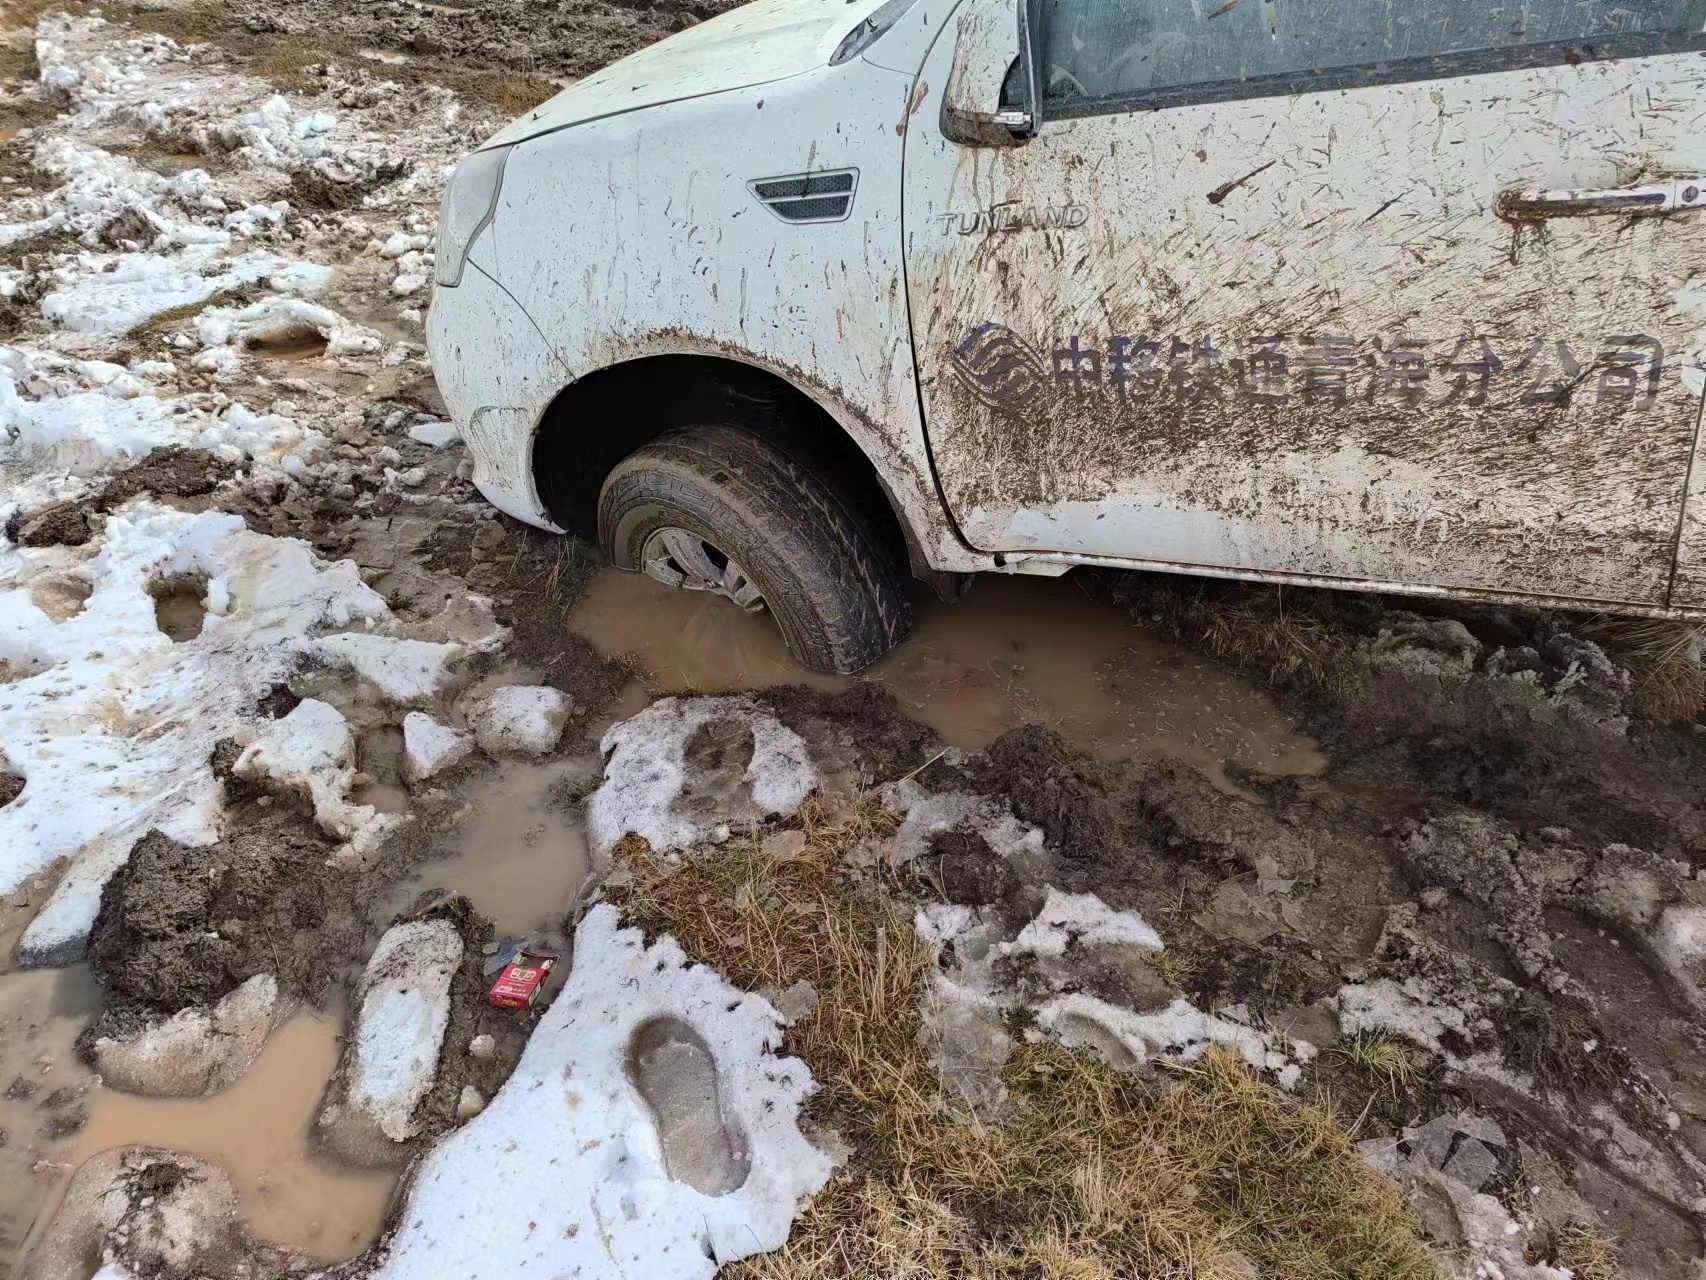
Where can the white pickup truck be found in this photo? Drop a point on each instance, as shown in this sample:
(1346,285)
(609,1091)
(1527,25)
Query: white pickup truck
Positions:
(1395,294)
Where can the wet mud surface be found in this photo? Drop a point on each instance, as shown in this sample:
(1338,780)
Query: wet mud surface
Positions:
(1356,824)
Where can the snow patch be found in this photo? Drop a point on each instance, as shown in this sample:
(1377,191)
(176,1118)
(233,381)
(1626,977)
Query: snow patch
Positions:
(144,712)
(311,752)
(1085,919)
(648,771)
(520,720)
(404,671)
(569,1171)
(429,748)
(928,814)
(405,1007)
(1181,1032)
(1411,1010)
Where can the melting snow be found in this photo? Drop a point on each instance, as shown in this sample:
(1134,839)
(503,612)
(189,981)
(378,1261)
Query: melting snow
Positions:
(1085,919)
(648,771)
(568,1171)
(143,712)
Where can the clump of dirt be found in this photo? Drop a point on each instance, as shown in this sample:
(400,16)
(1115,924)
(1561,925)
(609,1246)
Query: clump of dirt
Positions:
(64,524)
(168,473)
(858,731)
(318,189)
(181,926)
(964,870)
(11,784)
(171,472)
(541,576)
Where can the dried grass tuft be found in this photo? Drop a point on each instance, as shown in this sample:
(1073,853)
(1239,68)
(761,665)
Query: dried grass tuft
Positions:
(1667,659)
(1258,629)
(1583,1250)
(1397,1066)
(1093,1175)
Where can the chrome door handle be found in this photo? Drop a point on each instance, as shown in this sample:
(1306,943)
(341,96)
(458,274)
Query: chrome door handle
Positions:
(1670,196)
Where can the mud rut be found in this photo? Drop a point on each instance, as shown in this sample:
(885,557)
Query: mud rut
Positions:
(1467,815)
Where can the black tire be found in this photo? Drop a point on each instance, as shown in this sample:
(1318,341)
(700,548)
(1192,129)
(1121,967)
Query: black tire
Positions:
(825,580)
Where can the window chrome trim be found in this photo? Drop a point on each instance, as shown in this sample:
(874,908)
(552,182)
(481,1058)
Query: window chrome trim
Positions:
(1443,66)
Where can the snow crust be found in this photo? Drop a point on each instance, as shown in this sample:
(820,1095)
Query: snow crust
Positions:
(1180,1032)
(1411,1010)
(196,1051)
(405,671)
(405,1007)
(927,814)
(564,1172)
(311,752)
(647,770)
(525,720)
(1083,918)
(429,748)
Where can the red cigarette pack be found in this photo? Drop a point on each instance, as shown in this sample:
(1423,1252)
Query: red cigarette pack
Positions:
(522,979)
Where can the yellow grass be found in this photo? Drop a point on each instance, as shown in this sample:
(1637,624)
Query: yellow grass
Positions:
(1090,1175)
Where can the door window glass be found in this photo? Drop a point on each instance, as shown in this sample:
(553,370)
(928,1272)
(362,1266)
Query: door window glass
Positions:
(1120,48)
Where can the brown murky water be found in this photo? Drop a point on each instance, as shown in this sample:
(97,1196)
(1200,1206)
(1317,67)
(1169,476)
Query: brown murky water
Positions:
(41,1014)
(257,1131)
(1013,651)
(519,857)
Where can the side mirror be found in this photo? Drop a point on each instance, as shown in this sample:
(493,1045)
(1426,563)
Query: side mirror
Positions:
(993,91)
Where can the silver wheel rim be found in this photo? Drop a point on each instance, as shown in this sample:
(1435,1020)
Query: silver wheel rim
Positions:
(678,558)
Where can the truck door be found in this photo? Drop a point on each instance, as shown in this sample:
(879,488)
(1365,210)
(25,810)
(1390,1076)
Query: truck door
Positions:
(1408,291)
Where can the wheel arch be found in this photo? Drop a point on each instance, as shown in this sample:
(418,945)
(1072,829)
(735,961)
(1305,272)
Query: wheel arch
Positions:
(604,415)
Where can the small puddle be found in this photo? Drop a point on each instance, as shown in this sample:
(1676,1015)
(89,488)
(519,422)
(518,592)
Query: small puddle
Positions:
(518,856)
(42,1012)
(179,607)
(297,345)
(1013,651)
(257,1131)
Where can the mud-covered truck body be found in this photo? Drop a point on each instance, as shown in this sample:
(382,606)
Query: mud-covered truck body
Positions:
(1409,296)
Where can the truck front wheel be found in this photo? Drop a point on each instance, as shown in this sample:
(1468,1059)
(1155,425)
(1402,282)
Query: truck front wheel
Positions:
(716,508)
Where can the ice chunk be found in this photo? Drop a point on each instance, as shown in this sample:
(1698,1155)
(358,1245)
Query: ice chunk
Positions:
(195,1051)
(520,719)
(404,671)
(393,1056)
(439,435)
(311,752)
(429,748)
(1086,919)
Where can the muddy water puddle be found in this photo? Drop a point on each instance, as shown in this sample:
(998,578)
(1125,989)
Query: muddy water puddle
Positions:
(1013,651)
(257,1131)
(41,1014)
(518,855)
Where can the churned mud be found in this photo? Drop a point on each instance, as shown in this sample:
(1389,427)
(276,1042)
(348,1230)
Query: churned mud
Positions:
(1418,878)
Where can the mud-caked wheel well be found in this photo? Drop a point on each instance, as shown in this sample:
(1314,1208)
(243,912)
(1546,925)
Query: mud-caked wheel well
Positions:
(597,421)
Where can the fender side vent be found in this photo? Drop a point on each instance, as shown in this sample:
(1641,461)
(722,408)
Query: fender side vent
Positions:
(808,197)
